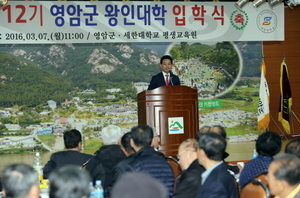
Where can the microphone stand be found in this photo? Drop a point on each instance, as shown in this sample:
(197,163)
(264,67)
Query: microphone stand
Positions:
(171,73)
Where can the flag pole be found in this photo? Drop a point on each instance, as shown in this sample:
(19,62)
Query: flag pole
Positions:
(282,133)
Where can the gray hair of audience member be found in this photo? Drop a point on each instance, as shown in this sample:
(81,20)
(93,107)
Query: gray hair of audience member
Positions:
(203,129)
(18,179)
(213,144)
(111,134)
(69,182)
(288,168)
(142,135)
(138,185)
(218,129)
(293,147)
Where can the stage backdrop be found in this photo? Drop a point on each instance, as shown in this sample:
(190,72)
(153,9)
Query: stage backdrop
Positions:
(81,64)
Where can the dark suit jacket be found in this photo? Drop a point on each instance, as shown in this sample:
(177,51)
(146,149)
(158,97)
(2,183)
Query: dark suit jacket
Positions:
(158,80)
(63,158)
(219,184)
(189,181)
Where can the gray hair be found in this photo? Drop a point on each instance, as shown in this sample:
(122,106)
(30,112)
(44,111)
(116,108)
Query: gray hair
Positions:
(288,168)
(69,182)
(111,134)
(18,179)
(138,184)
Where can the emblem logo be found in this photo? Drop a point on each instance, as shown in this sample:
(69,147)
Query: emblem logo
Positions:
(239,19)
(266,21)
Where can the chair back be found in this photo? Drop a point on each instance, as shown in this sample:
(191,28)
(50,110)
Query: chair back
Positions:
(257,188)
(174,164)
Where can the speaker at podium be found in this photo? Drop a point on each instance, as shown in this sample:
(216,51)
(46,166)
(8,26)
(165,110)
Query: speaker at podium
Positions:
(173,111)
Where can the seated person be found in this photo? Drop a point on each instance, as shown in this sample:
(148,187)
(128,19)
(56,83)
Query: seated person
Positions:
(69,182)
(284,176)
(216,181)
(146,158)
(138,185)
(107,157)
(293,147)
(20,181)
(189,181)
(234,169)
(267,145)
(73,144)
(120,168)
(164,78)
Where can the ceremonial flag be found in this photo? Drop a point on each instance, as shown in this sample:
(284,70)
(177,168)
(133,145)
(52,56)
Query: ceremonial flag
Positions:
(263,103)
(285,99)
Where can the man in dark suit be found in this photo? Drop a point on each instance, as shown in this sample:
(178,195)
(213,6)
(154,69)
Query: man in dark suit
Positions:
(216,180)
(73,143)
(189,181)
(165,77)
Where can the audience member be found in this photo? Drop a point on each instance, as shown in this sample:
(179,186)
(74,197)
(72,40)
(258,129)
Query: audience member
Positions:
(216,180)
(155,143)
(284,176)
(234,169)
(267,145)
(138,185)
(189,181)
(120,168)
(20,181)
(293,147)
(204,129)
(146,159)
(69,182)
(73,144)
(107,157)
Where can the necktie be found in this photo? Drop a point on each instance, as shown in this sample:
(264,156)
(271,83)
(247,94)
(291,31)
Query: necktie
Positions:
(167,80)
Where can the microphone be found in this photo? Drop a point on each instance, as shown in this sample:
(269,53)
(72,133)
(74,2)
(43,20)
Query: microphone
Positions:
(171,73)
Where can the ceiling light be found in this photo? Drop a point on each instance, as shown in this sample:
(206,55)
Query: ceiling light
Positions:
(3,3)
(240,4)
(272,3)
(258,3)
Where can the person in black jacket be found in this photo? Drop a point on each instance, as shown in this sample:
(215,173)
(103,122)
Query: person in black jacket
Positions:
(165,77)
(146,158)
(107,157)
(189,181)
(73,156)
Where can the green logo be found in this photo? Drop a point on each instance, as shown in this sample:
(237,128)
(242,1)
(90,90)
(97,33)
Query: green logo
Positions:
(205,104)
(175,125)
(239,19)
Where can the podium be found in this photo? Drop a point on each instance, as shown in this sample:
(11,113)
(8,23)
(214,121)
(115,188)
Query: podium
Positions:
(173,111)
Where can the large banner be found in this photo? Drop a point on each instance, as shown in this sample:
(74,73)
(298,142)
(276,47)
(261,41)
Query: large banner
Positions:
(25,22)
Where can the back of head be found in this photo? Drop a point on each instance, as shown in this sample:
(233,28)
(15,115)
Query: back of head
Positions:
(293,147)
(288,168)
(268,143)
(137,185)
(142,135)
(218,129)
(190,143)
(213,144)
(69,182)
(125,141)
(111,134)
(18,179)
(72,138)
(166,57)
(203,129)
